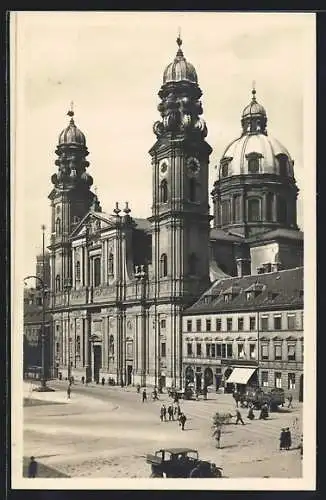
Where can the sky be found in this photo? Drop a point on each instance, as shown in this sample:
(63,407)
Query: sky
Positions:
(111,65)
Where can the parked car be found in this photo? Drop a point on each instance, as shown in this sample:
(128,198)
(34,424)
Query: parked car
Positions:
(256,397)
(186,393)
(181,463)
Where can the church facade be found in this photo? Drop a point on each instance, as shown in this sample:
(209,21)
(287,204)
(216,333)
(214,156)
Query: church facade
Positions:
(121,285)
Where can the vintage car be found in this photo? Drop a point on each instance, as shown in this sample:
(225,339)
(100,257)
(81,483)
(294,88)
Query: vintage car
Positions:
(186,393)
(256,398)
(181,463)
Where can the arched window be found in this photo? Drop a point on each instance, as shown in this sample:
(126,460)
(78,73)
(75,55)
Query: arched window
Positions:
(58,226)
(224,169)
(281,210)
(110,264)
(97,271)
(254,210)
(283,165)
(163,265)
(164,191)
(77,270)
(192,189)
(237,208)
(57,283)
(225,212)
(253,165)
(269,206)
(192,264)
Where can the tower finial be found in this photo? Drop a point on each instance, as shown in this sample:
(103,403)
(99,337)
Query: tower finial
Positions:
(253,90)
(179,42)
(71,109)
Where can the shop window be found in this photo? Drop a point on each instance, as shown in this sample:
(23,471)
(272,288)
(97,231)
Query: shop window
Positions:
(291,381)
(278,380)
(278,352)
(291,352)
(189,349)
(163,265)
(264,379)
(254,210)
(264,323)
(198,349)
(163,349)
(189,325)
(277,322)
(229,324)
(252,323)
(264,352)
(240,324)
(208,325)
(218,324)
(252,351)
(198,325)
(291,322)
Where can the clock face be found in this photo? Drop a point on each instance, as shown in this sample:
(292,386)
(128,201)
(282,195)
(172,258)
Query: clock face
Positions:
(164,165)
(193,167)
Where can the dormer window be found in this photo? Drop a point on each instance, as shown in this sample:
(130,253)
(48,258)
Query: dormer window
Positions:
(283,165)
(224,167)
(253,162)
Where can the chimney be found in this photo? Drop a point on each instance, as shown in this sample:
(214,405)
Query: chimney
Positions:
(243,267)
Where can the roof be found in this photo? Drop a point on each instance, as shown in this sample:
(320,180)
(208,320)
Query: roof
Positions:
(179,450)
(290,234)
(278,289)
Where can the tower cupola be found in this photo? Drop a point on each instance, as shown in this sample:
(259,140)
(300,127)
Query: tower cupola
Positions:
(254,118)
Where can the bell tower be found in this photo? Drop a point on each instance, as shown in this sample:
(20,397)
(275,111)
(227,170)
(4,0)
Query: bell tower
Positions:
(180,211)
(70,197)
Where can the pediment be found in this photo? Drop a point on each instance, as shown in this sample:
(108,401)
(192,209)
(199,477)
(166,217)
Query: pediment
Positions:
(94,223)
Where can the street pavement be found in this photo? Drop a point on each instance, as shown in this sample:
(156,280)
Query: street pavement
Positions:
(105,431)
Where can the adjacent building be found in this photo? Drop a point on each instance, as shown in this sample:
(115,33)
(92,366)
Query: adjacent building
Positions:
(121,285)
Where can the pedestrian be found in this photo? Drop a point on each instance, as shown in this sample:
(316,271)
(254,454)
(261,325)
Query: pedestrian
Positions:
(32,467)
(144,395)
(164,412)
(182,420)
(239,417)
(217,434)
(138,388)
(155,395)
(251,414)
(288,438)
(197,394)
(205,391)
(263,412)
(282,439)
(301,447)
(68,391)
(290,398)
(236,397)
(83,379)
(170,413)
(103,381)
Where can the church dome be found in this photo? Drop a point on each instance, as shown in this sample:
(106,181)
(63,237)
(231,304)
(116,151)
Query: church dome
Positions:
(180,69)
(72,134)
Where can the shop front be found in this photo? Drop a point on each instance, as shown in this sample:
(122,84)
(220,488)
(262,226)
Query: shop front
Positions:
(241,378)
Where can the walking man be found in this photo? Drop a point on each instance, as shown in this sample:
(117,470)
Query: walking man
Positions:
(68,391)
(217,434)
(239,417)
(288,438)
(164,412)
(144,395)
(282,439)
(290,398)
(170,413)
(32,468)
(183,420)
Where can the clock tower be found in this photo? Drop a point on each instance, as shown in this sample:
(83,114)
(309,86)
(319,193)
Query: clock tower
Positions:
(180,210)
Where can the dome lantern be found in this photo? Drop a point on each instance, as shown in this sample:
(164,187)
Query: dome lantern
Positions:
(72,134)
(254,118)
(180,69)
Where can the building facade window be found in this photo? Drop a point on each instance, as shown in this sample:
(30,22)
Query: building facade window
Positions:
(264,352)
(213,351)
(110,264)
(254,210)
(218,324)
(225,206)
(264,378)
(240,324)
(291,381)
(278,352)
(291,352)
(241,352)
(277,323)
(97,271)
(58,226)
(229,323)
(237,208)
(163,265)
(77,270)
(264,323)
(57,283)
(130,350)
(189,325)
(163,191)
(278,380)
(252,351)
(198,325)
(252,323)
(225,169)
(189,349)
(253,165)
(208,325)
(229,350)
(163,349)
(291,322)
(208,350)
(198,349)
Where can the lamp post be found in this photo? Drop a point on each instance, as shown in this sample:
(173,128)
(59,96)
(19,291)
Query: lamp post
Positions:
(141,275)
(67,288)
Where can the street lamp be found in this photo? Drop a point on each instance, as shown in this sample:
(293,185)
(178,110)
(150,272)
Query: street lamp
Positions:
(67,288)
(141,275)
(43,387)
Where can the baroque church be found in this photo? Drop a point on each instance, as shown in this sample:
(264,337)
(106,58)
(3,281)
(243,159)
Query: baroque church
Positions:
(120,284)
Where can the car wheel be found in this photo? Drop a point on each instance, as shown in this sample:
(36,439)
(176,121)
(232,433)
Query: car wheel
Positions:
(195,473)
(156,474)
(218,473)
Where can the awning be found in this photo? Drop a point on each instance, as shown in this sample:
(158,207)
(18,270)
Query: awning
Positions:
(240,375)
